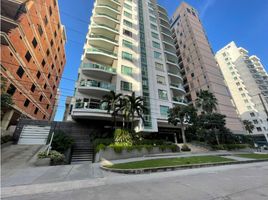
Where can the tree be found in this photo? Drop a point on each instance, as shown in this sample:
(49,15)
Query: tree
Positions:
(180,115)
(112,101)
(206,101)
(6,99)
(249,126)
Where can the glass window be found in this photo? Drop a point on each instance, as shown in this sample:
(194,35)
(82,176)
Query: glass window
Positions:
(156,45)
(154,27)
(126,86)
(127,56)
(127,33)
(162,94)
(164,111)
(153,19)
(127,6)
(20,71)
(127,44)
(159,66)
(126,70)
(155,35)
(127,23)
(127,14)
(161,80)
(26,103)
(157,55)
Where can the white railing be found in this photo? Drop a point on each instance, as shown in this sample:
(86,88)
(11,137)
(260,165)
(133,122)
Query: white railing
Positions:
(49,145)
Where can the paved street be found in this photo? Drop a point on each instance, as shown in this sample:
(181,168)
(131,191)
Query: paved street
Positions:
(236,182)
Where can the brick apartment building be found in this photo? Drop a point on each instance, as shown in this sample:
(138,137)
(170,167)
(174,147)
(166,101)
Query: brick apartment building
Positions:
(32,58)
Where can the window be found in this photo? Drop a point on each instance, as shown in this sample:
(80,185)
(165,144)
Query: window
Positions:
(28,56)
(55,34)
(20,71)
(161,80)
(45,20)
(50,10)
(26,103)
(45,86)
(155,35)
(127,56)
(159,67)
(50,96)
(156,45)
(127,44)
(127,14)
(154,27)
(164,111)
(127,33)
(11,89)
(240,89)
(126,86)
(259,129)
(41,98)
(157,55)
(127,6)
(255,121)
(126,70)
(162,94)
(249,107)
(47,106)
(52,66)
(34,42)
(246,101)
(127,23)
(47,52)
(48,76)
(43,63)
(252,114)
(38,74)
(36,111)
(153,19)
(51,42)
(33,88)
(40,30)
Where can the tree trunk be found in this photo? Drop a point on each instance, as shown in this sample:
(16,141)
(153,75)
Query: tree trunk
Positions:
(114,122)
(183,134)
(175,138)
(217,137)
(132,124)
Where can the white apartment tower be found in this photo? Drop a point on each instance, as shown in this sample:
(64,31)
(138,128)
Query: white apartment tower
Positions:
(198,65)
(129,48)
(248,83)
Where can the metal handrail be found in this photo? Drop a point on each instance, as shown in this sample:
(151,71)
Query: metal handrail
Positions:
(50,142)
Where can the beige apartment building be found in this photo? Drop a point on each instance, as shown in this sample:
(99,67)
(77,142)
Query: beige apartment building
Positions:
(129,47)
(198,65)
(248,83)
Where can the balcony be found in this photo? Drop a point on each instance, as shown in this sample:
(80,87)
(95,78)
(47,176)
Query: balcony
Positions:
(115,4)
(179,100)
(98,71)
(175,76)
(108,20)
(100,41)
(95,88)
(108,10)
(177,89)
(101,55)
(102,29)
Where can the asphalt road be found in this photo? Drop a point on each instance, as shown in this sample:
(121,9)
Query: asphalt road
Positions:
(236,182)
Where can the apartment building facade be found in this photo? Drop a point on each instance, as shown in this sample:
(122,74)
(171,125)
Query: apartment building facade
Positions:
(198,65)
(32,58)
(128,48)
(247,80)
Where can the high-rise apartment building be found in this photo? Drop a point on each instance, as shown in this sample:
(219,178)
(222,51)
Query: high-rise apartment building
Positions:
(129,47)
(32,57)
(248,83)
(198,65)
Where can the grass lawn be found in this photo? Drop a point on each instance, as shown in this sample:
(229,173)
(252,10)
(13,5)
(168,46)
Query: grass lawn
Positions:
(169,162)
(254,156)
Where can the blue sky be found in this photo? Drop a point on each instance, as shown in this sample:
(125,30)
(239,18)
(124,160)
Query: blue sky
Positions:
(242,21)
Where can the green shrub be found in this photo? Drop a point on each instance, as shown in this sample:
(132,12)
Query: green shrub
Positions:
(6,138)
(42,154)
(185,148)
(149,148)
(122,137)
(104,141)
(230,146)
(56,158)
(174,148)
(100,147)
(162,147)
(117,148)
(218,147)
(61,142)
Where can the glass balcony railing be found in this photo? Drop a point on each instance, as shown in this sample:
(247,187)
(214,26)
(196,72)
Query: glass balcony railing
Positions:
(179,100)
(174,73)
(97,84)
(98,66)
(103,25)
(93,49)
(179,86)
(103,14)
(109,7)
(102,37)
(89,105)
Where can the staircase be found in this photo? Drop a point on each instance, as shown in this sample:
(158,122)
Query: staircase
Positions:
(34,135)
(82,149)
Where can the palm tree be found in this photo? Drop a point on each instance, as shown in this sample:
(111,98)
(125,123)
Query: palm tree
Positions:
(112,101)
(249,126)
(206,101)
(180,115)
(136,107)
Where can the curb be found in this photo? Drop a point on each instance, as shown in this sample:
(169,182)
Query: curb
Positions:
(172,168)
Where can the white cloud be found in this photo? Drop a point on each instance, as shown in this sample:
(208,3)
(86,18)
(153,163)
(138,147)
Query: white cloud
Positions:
(205,7)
